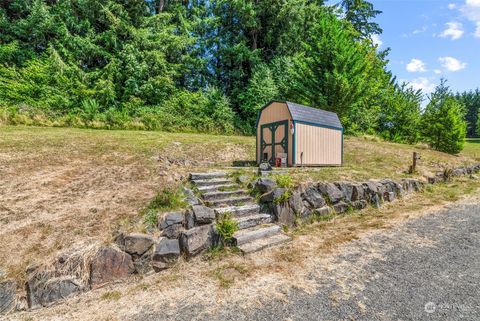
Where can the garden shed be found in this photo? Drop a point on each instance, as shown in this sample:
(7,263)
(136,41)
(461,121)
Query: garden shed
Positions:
(297,135)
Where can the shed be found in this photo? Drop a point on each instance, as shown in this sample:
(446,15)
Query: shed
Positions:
(305,136)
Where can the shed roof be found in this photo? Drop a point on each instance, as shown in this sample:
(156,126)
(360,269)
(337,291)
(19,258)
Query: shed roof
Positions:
(314,115)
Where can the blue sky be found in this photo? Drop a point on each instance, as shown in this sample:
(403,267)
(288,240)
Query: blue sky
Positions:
(430,39)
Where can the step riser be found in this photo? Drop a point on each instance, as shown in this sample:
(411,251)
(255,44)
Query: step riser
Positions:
(258,234)
(241,212)
(216,188)
(269,242)
(244,224)
(223,195)
(201,183)
(202,176)
(227,202)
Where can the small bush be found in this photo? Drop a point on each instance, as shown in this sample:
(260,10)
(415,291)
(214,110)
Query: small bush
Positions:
(282,198)
(150,218)
(226,227)
(168,199)
(284,181)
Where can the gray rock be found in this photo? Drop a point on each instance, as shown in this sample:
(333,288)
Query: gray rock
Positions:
(360,204)
(265,185)
(340,207)
(284,213)
(190,197)
(169,219)
(36,279)
(109,264)
(389,196)
(172,231)
(8,290)
(347,189)
(313,197)
(203,215)
(459,172)
(196,240)
(331,192)
(296,203)
(376,201)
(306,212)
(189,219)
(57,289)
(271,196)
(324,211)
(165,254)
(265,167)
(374,191)
(143,264)
(135,243)
(243,179)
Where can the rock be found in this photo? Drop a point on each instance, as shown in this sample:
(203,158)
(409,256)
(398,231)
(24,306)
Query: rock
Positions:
(296,203)
(324,211)
(8,290)
(197,239)
(22,304)
(57,289)
(306,213)
(331,192)
(135,243)
(271,196)
(109,264)
(265,167)
(389,196)
(265,185)
(284,213)
(189,220)
(376,201)
(360,204)
(169,219)
(190,197)
(340,207)
(347,190)
(165,255)
(243,179)
(36,279)
(374,192)
(173,231)
(203,215)
(313,197)
(458,172)
(407,186)
(143,264)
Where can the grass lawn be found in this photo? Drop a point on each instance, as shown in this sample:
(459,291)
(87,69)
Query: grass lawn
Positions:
(60,186)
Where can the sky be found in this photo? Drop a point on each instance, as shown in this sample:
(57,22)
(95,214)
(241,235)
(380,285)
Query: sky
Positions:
(431,39)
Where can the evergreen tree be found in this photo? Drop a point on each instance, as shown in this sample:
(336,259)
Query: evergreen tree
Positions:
(443,126)
(360,14)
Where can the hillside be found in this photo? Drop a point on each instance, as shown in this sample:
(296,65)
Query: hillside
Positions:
(63,186)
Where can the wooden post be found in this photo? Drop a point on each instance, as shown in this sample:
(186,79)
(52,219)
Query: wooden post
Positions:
(414,164)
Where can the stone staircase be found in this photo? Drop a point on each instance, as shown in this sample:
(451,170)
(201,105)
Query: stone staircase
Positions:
(256,230)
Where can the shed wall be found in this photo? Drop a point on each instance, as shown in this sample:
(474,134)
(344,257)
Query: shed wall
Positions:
(271,114)
(320,146)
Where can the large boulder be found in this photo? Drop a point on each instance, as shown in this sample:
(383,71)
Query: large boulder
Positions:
(135,243)
(347,189)
(8,289)
(295,202)
(313,197)
(165,254)
(284,213)
(331,192)
(271,196)
(196,240)
(171,224)
(265,185)
(203,215)
(109,264)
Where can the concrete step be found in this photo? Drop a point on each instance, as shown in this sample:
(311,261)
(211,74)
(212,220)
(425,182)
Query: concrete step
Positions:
(254,220)
(215,188)
(230,201)
(197,176)
(263,243)
(239,211)
(249,235)
(213,181)
(223,195)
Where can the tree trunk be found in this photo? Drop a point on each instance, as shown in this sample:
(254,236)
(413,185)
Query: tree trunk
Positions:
(161,5)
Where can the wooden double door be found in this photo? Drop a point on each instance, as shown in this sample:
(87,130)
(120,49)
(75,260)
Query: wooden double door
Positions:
(274,141)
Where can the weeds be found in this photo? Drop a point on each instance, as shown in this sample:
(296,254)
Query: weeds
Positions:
(112,295)
(284,181)
(167,199)
(226,227)
(282,198)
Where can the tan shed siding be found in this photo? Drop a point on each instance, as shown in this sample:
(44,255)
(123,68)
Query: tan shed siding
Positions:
(320,146)
(274,113)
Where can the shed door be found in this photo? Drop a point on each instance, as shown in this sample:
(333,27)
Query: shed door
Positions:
(274,140)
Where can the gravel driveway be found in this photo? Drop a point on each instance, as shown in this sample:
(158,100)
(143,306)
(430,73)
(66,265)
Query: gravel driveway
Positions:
(425,269)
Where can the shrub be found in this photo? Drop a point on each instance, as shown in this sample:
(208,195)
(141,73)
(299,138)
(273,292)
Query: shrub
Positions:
(226,227)
(284,181)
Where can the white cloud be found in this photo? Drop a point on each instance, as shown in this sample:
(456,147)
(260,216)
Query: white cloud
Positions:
(377,41)
(471,10)
(477,31)
(452,64)
(452,6)
(473,3)
(424,84)
(437,71)
(416,65)
(454,30)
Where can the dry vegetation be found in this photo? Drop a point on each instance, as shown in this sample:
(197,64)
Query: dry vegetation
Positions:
(63,186)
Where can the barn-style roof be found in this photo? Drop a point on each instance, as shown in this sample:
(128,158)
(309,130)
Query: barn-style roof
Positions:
(309,115)
(313,115)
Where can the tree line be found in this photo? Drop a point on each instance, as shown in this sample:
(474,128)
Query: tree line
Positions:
(208,66)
